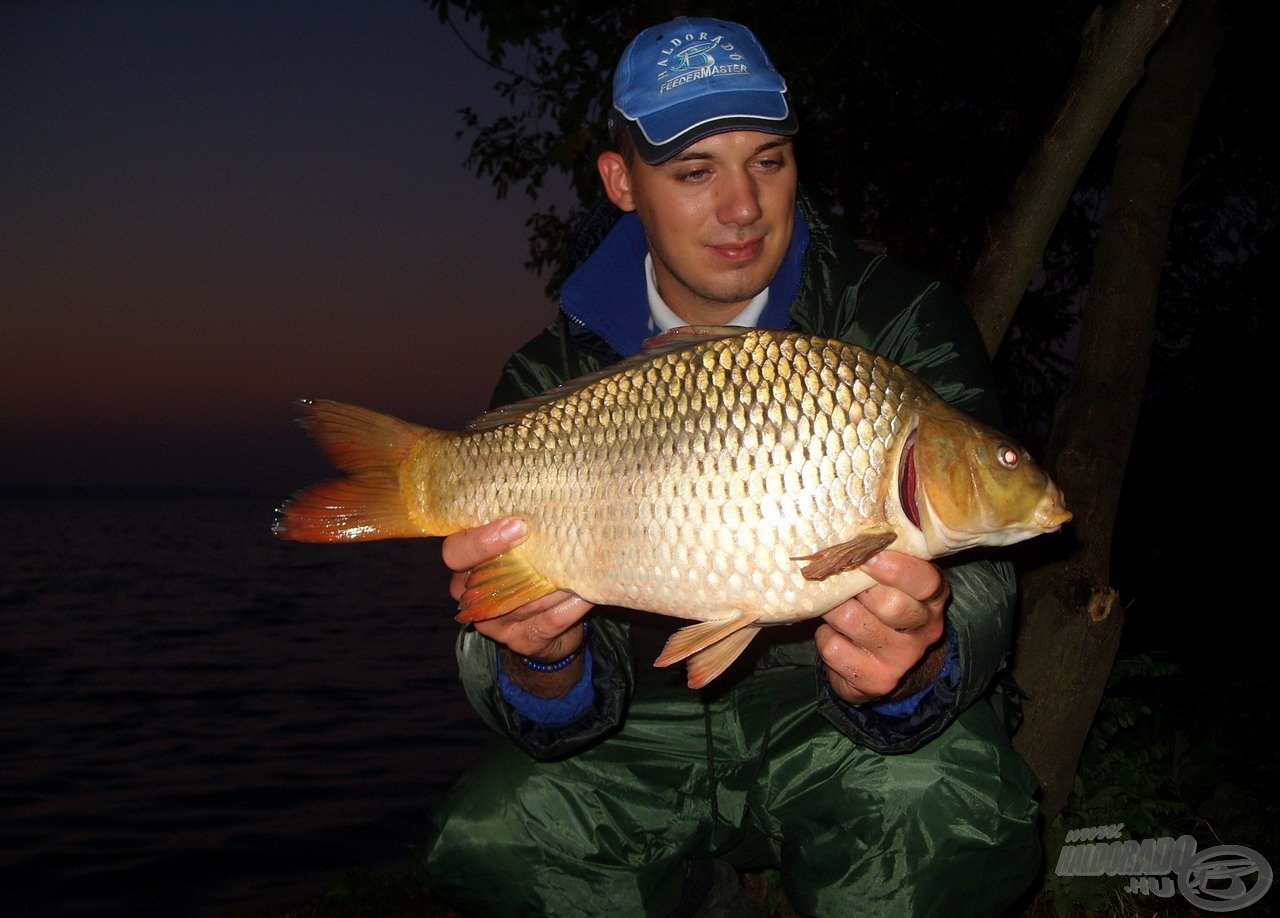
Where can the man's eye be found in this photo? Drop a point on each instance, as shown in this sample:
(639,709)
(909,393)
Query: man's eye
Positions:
(692,175)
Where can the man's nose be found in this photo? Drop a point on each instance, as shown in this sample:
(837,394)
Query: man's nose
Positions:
(740,200)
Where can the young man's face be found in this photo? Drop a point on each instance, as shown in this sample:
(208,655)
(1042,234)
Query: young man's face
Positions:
(718,217)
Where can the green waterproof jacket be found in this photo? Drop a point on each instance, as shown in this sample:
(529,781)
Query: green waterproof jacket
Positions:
(842,291)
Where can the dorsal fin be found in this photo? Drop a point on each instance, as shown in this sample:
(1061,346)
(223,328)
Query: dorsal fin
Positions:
(677,339)
(682,336)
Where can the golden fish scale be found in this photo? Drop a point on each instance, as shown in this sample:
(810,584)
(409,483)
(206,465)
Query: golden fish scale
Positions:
(694,480)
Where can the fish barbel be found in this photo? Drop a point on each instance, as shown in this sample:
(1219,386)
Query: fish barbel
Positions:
(735,477)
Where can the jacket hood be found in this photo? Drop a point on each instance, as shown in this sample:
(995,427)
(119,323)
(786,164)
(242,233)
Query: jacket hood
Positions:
(607,293)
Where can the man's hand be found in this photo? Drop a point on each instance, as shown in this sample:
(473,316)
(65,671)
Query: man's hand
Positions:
(885,643)
(544,630)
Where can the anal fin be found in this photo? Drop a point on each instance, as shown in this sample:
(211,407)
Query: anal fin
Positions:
(500,585)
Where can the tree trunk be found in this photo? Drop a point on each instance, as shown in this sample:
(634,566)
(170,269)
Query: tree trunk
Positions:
(1116,44)
(1071,617)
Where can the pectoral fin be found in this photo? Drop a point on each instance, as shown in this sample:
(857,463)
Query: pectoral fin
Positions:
(500,585)
(846,556)
(709,647)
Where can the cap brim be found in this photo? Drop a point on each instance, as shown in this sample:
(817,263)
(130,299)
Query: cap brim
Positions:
(656,154)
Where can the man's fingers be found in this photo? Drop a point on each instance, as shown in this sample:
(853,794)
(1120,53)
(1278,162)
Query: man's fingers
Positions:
(546,625)
(464,550)
(862,675)
(909,593)
(892,608)
(920,579)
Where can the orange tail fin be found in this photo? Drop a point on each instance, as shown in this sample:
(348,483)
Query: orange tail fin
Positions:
(367,504)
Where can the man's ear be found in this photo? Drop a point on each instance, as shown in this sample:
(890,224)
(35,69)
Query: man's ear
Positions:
(616,178)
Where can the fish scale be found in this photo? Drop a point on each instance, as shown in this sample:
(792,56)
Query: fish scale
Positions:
(733,477)
(707,572)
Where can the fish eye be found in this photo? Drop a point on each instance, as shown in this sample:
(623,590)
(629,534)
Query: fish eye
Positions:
(1009,456)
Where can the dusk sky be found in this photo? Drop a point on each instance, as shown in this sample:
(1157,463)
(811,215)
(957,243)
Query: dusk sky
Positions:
(210,209)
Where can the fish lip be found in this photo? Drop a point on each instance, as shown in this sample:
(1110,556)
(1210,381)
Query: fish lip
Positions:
(1052,517)
(908,480)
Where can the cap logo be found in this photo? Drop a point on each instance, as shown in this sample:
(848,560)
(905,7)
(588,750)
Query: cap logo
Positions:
(690,58)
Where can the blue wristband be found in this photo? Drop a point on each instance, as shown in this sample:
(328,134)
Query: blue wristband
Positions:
(560,664)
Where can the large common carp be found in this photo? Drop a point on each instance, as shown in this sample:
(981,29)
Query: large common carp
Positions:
(735,477)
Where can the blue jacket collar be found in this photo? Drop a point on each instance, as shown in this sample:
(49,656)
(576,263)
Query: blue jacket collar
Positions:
(607,293)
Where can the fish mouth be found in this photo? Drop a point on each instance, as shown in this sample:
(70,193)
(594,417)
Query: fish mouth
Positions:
(1053,512)
(907,481)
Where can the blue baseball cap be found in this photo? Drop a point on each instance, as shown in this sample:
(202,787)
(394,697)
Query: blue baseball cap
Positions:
(689,78)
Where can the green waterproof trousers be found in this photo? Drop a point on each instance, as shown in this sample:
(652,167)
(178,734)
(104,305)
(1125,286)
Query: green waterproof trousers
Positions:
(754,776)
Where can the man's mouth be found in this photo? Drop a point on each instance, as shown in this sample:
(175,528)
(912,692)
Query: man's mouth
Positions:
(738,251)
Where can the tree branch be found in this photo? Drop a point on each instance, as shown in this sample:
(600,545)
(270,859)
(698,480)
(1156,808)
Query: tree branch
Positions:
(1116,44)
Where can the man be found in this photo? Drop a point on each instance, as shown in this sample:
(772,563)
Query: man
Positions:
(858,756)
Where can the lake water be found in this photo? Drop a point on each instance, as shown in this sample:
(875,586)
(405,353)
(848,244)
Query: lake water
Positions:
(197,716)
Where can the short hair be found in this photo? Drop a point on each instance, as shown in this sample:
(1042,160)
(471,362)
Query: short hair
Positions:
(620,139)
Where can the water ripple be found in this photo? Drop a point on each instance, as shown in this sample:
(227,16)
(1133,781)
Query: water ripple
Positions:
(200,716)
